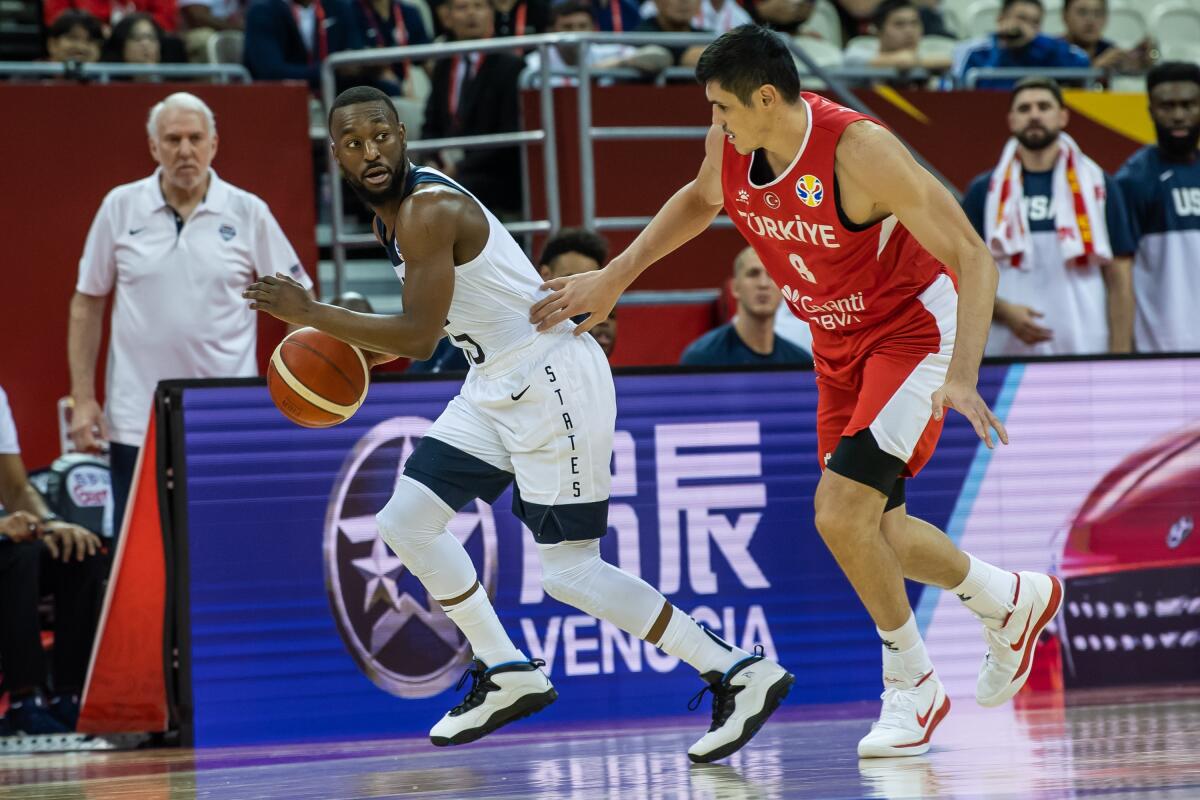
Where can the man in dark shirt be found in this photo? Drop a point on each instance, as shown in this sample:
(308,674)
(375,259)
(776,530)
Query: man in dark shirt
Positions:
(750,337)
(675,16)
(1017,42)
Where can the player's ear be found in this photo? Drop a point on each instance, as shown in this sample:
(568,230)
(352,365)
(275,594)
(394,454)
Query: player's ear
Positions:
(767,96)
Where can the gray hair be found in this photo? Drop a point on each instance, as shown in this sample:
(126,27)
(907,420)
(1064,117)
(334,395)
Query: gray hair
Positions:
(182,101)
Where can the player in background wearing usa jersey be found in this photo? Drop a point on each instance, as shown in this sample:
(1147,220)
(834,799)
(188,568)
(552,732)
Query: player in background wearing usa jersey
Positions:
(863,243)
(537,408)
(1161,183)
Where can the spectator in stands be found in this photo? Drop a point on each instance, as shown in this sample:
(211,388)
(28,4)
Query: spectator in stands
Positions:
(1017,42)
(578,16)
(785,16)
(202,19)
(1085,21)
(749,338)
(570,252)
(856,14)
(74,36)
(472,95)
(392,23)
(178,248)
(519,17)
(1066,286)
(675,16)
(290,39)
(722,16)
(1162,187)
(136,39)
(38,550)
(110,12)
(899,28)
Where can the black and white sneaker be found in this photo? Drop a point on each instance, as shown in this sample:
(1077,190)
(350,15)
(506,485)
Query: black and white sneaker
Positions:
(498,696)
(743,698)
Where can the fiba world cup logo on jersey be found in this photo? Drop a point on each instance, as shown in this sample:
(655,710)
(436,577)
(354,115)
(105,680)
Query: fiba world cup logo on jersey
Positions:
(397,634)
(810,191)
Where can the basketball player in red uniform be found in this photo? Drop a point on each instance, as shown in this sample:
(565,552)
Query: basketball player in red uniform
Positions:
(898,290)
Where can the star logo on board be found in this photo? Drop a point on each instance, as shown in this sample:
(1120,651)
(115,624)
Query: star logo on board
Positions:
(397,634)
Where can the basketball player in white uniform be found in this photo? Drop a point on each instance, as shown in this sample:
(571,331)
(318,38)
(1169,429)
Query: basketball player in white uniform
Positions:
(537,407)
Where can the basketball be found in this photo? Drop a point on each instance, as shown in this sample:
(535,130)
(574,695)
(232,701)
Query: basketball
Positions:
(316,380)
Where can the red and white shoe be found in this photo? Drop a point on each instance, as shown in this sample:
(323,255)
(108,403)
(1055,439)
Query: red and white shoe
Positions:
(911,712)
(1036,600)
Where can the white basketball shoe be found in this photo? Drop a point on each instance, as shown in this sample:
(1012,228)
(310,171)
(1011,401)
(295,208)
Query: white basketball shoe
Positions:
(1036,600)
(743,699)
(912,709)
(498,696)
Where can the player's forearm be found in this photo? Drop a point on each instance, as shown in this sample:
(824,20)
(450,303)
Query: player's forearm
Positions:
(1119,285)
(83,344)
(682,218)
(977,279)
(400,334)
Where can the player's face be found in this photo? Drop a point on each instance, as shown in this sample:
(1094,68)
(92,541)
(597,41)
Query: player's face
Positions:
(743,125)
(901,31)
(184,147)
(569,263)
(757,295)
(1085,20)
(1036,118)
(605,334)
(369,145)
(1175,107)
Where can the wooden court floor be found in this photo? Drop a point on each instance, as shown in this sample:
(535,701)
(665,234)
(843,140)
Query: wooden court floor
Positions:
(1117,743)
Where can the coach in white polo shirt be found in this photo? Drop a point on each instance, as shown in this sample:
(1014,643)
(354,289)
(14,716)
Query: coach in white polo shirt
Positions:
(178,248)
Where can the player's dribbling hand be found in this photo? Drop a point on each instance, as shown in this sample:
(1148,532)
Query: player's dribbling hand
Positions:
(591,293)
(964,399)
(280,296)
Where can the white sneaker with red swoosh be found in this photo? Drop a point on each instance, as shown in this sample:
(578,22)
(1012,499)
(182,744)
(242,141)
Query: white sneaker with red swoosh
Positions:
(911,711)
(1036,600)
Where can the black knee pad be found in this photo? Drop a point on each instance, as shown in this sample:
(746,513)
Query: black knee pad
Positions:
(860,459)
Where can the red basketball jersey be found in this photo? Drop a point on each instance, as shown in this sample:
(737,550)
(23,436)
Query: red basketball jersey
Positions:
(846,279)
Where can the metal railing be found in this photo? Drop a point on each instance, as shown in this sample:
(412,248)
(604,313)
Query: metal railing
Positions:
(1086,75)
(102,72)
(342,240)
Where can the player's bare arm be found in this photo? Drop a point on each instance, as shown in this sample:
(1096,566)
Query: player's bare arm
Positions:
(686,215)
(877,177)
(432,228)
(1118,287)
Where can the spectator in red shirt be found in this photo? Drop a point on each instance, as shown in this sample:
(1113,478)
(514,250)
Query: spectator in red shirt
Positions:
(109,12)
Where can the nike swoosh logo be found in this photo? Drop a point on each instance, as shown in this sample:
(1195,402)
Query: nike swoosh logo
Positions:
(135,231)
(516,397)
(1020,643)
(922,720)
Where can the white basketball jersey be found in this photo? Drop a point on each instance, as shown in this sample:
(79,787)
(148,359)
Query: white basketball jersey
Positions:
(489,312)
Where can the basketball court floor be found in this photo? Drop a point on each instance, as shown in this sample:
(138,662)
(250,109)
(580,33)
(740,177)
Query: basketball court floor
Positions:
(1116,743)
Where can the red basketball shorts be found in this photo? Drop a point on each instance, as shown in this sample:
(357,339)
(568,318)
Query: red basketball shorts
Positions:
(886,380)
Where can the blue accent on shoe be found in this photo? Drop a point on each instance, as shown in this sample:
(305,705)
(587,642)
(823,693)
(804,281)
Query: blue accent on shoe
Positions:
(506,664)
(30,716)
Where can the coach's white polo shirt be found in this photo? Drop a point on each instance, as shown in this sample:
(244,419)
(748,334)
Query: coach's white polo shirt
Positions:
(8,428)
(178,310)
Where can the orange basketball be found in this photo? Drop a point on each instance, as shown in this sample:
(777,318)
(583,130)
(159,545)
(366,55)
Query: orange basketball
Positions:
(317,380)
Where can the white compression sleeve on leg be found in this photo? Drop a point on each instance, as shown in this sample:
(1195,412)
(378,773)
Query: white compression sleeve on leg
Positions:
(574,573)
(413,523)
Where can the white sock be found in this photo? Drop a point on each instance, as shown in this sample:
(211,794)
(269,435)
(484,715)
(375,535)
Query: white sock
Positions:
(903,638)
(987,590)
(476,618)
(691,642)
(905,660)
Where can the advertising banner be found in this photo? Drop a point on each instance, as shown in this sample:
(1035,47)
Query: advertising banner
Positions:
(302,625)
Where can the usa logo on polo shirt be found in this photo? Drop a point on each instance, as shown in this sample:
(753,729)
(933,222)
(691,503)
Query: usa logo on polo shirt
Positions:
(227,232)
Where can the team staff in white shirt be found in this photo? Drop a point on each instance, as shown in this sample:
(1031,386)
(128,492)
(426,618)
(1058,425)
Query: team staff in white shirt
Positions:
(177,248)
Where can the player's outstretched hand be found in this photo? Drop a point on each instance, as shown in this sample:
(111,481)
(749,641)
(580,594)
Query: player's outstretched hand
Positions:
(964,399)
(280,296)
(591,293)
